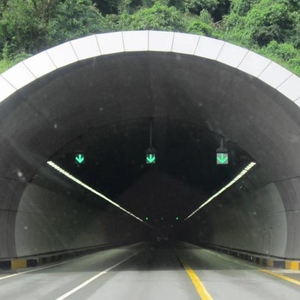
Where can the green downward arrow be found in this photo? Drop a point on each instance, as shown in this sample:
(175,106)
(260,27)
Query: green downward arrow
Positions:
(80,158)
(151,158)
(223,159)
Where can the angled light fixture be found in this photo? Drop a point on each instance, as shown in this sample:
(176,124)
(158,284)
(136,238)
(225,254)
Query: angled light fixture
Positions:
(240,175)
(68,175)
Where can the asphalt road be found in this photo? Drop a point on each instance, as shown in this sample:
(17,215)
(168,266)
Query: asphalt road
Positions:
(147,272)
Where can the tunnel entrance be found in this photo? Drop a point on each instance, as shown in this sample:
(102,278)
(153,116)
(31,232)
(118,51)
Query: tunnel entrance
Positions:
(99,106)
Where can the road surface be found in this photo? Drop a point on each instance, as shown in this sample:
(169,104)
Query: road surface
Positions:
(148,272)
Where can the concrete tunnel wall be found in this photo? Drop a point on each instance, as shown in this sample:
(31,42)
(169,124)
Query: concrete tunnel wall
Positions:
(49,222)
(265,220)
(20,202)
(44,221)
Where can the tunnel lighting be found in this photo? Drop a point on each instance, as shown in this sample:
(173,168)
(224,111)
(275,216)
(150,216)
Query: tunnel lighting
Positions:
(62,171)
(240,175)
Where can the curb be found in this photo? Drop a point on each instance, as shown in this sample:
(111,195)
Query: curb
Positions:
(39,260)
(279,263)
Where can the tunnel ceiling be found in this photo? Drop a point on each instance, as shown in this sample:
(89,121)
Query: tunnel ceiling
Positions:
(103,106)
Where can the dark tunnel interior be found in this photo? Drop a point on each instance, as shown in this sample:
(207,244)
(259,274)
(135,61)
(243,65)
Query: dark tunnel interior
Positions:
(115,164)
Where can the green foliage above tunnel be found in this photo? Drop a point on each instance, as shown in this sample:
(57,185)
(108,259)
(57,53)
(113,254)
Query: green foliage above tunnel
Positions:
(268,27)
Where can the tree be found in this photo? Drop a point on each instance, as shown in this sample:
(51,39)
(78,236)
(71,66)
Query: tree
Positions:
(196,6)
(33,25)
(74,18)
(201,25)
(158,17)
(107,7)
(270,21)
(242,7)
(21,27)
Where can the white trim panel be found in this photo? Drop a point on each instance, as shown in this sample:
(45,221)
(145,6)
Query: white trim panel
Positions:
(135,40)
(185,43)
(209,47)
(40,64)
(274,75)
(160,41)
(291,88)
(110,43)
(254,64)
(62,55)
(18,76)
(86,47)
(232,55)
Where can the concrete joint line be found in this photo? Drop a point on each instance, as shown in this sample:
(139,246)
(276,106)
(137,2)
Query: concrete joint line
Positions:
(74,50)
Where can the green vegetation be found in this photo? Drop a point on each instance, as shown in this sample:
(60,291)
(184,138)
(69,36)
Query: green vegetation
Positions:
(268,27)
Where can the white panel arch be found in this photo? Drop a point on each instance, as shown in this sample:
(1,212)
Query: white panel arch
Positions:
(71,52)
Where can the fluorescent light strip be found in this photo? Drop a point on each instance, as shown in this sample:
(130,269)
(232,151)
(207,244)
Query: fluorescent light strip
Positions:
(240,175)
(62,171)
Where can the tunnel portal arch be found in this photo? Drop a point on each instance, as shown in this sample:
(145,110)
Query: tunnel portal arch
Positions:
(137,41)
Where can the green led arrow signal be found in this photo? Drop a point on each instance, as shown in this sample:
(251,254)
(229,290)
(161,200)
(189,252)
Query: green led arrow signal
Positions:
(80,158)
(222,159)
(151,158)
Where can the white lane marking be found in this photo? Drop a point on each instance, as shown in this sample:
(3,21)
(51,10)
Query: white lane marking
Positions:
(43,268)
(93,278)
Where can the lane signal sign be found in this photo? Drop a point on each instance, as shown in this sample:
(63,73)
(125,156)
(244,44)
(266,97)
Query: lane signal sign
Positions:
(222,155)
(150,156)
(79,158)
(222,158)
